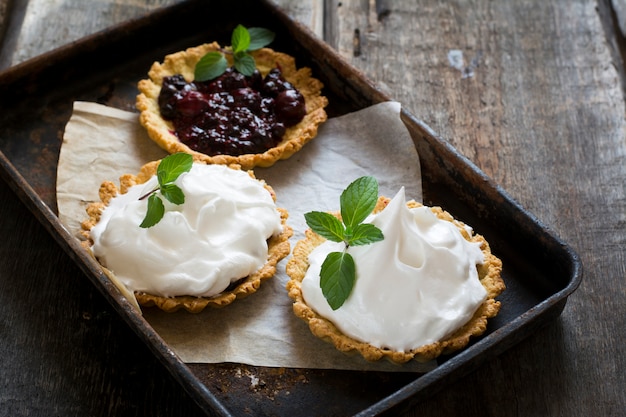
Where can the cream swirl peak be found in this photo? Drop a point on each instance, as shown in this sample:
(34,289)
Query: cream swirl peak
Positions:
(218,236)
(415,287)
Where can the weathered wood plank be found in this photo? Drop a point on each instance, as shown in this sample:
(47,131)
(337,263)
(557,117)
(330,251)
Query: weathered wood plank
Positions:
(308,12)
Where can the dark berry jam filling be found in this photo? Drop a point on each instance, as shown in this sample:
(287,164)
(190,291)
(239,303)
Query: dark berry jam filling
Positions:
(232,114)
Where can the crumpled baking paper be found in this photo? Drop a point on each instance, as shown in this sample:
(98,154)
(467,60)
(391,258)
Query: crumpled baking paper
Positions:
(102,143)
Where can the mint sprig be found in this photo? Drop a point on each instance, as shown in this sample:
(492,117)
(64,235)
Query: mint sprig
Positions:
(338,272)
(168,171)
(243,41)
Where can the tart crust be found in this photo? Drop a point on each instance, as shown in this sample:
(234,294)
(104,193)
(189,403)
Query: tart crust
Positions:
(488,273)
(184,62)
(278,248)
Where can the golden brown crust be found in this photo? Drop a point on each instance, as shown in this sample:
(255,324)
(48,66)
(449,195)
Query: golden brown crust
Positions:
(278,248)
(184,63)
(489,275)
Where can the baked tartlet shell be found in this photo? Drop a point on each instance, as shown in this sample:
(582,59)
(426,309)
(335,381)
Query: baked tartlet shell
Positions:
(488,272)
(184,62)
(278,248)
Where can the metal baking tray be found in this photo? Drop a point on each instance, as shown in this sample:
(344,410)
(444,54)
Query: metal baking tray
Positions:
(540,270)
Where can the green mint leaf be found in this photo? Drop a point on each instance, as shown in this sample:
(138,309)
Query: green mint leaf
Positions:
(155,212)
(358,200)
(168,171)
(337,278)
(260,37)
(338,272)
(172,166)
(173,193)
(325,225)
(211,65)
(364,234)
(240,39)
(244,63)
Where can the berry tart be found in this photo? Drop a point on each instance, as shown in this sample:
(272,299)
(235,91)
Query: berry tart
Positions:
(247,120)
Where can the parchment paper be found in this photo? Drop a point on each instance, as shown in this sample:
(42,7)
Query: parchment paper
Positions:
(101,143)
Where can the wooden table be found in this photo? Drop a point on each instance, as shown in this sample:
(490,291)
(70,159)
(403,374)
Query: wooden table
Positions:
(538,104)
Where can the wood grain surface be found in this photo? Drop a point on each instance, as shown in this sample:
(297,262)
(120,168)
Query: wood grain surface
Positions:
(538,104)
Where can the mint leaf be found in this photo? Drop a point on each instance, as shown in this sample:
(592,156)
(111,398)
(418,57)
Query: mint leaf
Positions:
(173,193)
(337,278)
(365,233)
(155,212)
(244,63)
(240,39)
(172,166)
(259,38)
(358,200)
(211,65)
(325,225)
(168,171)
(338,272)
(243,40)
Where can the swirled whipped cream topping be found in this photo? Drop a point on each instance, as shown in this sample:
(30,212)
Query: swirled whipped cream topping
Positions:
(219,234)
(413,288)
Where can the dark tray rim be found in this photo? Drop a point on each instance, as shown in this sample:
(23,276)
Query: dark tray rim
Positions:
(423,386)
